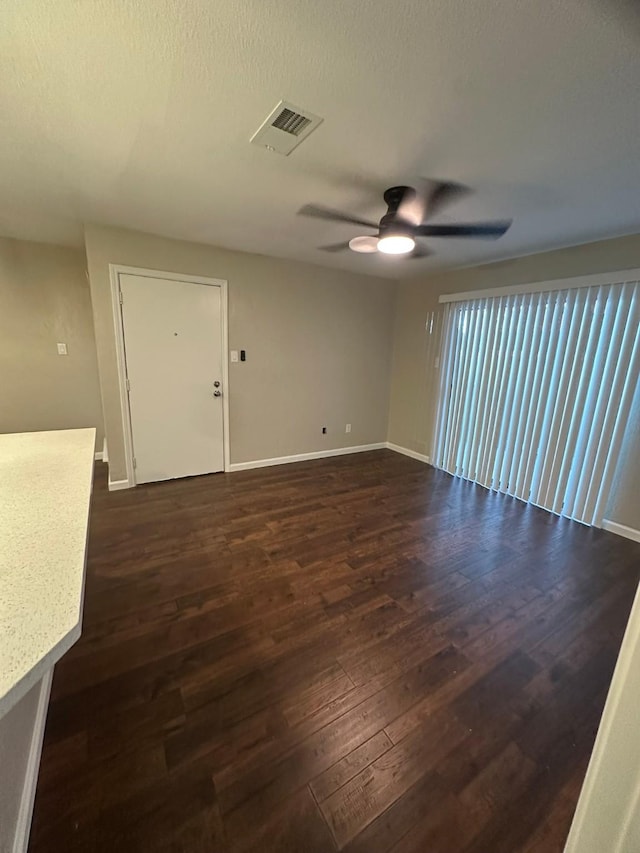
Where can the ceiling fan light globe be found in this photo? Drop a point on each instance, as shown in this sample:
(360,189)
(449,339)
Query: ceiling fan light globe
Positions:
(396,244)
(364,244)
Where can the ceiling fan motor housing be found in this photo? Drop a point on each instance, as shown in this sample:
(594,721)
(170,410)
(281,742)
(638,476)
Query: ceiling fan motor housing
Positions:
(390,222)
(394,195)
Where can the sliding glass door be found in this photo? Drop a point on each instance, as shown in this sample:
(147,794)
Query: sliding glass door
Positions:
(535,391)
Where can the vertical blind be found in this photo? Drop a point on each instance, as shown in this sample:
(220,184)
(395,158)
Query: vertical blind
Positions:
(535,391)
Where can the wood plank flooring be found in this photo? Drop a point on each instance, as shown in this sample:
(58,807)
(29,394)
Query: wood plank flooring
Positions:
(359,654)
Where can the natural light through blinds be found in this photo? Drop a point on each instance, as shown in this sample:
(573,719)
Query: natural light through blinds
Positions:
(535,392)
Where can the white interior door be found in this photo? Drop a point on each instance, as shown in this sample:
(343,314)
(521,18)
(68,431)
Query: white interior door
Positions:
(173,354)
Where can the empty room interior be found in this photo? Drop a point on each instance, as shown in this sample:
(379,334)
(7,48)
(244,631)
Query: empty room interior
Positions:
(319,426)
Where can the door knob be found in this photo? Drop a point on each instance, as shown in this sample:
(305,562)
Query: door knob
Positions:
(216,384)
(217,393)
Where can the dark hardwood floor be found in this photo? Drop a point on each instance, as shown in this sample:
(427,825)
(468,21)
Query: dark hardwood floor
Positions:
(360,653)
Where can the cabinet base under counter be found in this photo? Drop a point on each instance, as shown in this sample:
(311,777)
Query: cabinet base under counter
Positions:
(21,736)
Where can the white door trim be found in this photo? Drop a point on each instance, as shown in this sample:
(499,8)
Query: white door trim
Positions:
(115,271)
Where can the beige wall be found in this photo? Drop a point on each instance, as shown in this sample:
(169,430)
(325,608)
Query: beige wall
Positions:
(412,404)
(44,298)
(318,345)
(624,506)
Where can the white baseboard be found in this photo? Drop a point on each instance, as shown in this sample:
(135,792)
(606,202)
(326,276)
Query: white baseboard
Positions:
(406,452)
(621,530)
(303,457)
(98,456)
(23,827)
(116,485)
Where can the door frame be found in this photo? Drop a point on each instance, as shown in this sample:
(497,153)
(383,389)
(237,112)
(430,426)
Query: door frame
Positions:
(115,271)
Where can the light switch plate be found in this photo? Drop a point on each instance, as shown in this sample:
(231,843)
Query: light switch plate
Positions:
(234,355)
(62,349)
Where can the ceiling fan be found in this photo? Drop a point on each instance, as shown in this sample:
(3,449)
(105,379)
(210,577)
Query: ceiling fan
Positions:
(406,219)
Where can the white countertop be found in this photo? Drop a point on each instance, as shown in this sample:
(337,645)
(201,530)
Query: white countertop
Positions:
(45,490)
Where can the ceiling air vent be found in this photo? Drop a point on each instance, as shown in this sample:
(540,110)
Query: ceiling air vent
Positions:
(285,128)
(291,122)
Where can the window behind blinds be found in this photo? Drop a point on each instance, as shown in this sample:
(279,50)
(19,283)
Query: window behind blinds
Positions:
(535,391)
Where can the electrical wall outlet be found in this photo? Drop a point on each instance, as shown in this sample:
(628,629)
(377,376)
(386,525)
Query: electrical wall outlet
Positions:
(62,349)
(347,428)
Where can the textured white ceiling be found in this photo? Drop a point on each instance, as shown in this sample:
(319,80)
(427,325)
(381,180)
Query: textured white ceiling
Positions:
(138,113)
